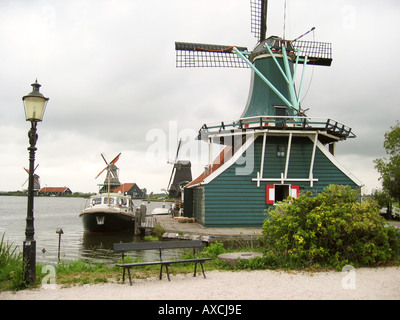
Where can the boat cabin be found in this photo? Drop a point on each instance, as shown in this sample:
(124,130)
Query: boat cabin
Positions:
(113,200)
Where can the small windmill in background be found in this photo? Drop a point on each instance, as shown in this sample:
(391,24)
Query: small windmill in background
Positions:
(36,180)
(111,179)
(181,175)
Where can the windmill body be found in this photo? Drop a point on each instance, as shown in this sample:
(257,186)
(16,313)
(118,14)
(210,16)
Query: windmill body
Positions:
(262,99)
(273,150)
(181,175)
(36,180)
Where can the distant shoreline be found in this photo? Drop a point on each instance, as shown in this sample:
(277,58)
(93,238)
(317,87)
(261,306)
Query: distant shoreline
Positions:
(74,195)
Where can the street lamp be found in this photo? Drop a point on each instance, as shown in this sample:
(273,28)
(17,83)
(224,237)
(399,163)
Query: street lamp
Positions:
(35,105)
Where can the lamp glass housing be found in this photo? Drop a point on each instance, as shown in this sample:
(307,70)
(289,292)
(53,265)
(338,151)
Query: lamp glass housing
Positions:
(34,104)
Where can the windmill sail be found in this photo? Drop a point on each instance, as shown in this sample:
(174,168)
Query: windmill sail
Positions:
(207,55)
(317,53)
(259,18)
(36,179)
(112,173)
(181,175)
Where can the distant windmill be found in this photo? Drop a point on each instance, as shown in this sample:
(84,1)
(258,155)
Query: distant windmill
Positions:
(181,173)
(36,179)
(111,179)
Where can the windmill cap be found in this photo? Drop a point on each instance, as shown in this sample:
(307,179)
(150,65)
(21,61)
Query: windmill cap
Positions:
(274,42)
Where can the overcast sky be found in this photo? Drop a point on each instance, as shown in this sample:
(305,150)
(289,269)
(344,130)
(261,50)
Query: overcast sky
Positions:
(108,68)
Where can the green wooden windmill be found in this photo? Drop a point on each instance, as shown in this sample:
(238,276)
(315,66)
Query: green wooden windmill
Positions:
(273,150)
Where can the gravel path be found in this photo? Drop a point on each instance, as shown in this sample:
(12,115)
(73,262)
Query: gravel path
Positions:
(363,283)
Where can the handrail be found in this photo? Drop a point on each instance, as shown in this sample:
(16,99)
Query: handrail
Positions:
(331,126)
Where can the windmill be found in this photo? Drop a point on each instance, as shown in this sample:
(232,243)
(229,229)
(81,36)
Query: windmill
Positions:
(273,150)
(111,179)
(271,56)
(181,174)
(36,179)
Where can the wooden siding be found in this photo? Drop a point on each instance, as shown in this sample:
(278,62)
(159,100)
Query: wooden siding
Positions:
(199,204)
(232,200)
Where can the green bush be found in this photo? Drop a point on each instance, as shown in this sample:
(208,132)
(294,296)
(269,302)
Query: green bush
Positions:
(332,229)
(213,250)
(158,230)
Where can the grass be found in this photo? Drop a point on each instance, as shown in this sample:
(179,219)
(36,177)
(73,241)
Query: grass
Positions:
(76,273)
(10,266)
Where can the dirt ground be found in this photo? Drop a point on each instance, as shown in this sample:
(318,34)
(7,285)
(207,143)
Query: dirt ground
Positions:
(351,284)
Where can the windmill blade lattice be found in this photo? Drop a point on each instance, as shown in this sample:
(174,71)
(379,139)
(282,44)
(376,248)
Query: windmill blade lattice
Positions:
(192,55)
(318,53)
(259,18)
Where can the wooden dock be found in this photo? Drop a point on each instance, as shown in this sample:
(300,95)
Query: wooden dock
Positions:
(144,223)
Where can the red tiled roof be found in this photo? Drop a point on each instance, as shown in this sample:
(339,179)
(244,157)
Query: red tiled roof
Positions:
(223,157)
(54,189)
(123,187)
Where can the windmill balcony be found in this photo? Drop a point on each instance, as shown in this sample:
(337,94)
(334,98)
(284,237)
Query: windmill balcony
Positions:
(331,129)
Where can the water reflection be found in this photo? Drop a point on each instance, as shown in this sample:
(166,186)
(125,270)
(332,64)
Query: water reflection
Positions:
(57,212)
(99,247)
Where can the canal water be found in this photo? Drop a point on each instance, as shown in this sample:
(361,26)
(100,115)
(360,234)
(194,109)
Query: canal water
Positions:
(51,213)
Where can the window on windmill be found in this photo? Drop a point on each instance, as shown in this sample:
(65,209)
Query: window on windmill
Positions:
(281,152)
(280,111)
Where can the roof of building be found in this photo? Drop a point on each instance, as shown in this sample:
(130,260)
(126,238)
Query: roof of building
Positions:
(54,189)
(123,187)
(224,156)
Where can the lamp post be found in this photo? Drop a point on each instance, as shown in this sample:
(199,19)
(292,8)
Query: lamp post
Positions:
(35,105)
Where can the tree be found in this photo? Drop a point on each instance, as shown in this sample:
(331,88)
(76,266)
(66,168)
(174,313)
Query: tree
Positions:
(389,168)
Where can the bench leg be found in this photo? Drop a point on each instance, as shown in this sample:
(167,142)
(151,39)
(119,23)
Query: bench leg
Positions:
(202,268)
(129,274)
(166,267)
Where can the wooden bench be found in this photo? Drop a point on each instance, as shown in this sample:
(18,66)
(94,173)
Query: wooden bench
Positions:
(136,246)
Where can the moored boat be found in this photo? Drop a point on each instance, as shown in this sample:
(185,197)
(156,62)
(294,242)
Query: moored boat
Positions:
(108,213)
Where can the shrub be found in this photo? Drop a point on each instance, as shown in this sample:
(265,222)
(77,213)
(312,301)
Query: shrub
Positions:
(158,230)
(213,250)
(331,229)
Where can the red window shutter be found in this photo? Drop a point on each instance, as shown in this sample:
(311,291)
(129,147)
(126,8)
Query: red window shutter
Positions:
(295,191)
(270,194)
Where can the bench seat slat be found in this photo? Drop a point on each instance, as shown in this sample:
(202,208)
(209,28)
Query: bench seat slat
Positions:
(123,247)
(136,264)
